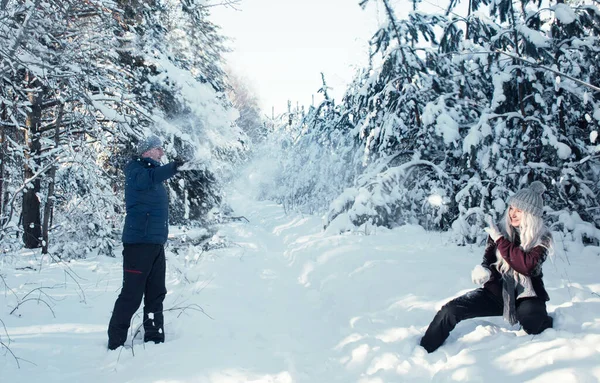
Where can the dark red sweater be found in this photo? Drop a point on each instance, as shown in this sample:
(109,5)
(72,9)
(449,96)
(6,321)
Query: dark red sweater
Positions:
(528,263)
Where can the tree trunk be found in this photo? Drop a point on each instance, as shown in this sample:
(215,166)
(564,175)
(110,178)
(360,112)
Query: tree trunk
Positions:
(519,74)
(2,161)
(48,208)
(31,203)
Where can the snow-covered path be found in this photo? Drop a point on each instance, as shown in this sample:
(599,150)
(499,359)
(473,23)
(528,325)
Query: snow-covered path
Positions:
(265,322)
(291,303)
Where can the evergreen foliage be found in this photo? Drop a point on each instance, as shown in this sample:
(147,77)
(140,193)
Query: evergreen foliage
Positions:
(82,83)
(459,112)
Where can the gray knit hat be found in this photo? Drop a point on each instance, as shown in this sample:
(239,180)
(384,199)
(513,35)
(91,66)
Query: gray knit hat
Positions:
(529,199)
(148,143)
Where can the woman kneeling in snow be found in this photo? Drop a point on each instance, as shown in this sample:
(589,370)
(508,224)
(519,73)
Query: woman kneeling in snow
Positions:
(511,273)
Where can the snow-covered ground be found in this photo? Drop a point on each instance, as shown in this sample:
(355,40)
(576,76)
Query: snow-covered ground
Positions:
(287,302)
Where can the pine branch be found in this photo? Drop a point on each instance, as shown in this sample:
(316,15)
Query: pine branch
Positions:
(533,64)
(580,82)
(24,29)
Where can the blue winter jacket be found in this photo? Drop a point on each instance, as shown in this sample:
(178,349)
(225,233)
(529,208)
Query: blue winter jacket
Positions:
(146,201)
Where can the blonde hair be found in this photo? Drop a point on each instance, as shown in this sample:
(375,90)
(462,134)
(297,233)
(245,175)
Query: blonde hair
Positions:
(532,232)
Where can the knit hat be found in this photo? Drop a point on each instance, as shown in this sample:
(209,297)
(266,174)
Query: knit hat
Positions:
(529,199)
(148,143)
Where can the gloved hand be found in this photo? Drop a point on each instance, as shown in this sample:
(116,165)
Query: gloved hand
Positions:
(178,163)
(480,275)
(492,229)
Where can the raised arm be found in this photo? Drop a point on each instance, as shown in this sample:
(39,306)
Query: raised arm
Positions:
(489,255)
(144,178)
(522,261)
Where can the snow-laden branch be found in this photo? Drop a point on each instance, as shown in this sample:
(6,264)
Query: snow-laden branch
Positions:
(533,64)
(226,3)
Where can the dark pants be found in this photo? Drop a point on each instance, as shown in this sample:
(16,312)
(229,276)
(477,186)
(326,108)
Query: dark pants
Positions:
(531,314)
(143,275)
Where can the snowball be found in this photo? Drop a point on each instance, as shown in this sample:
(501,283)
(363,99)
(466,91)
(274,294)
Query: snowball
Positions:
(435,200)
(480,275)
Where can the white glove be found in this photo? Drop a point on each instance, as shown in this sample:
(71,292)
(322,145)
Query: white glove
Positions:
(480,275)
(492,229)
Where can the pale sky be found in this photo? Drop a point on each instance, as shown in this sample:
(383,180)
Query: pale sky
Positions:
(282,46)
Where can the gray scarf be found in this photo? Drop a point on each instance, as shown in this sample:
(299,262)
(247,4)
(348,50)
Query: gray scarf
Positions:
(508,296)
(514,287)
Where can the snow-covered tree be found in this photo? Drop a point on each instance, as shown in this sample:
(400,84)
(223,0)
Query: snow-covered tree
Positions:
(245,100)
(83,83)
(456,112)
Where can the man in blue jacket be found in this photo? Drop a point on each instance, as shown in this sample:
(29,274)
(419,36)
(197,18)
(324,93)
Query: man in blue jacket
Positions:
(144,236)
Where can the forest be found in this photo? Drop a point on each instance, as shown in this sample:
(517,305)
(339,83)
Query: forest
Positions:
(313,246)
(456,110)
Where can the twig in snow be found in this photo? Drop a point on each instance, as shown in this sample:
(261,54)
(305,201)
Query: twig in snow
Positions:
(239,218)
(8,348)
(5,330)
(138,330)
(38,299)
(182,274)
(194,307)
(8,288)
(34,299)
(70,272)
(206,285)
(11,353)
(199,256)
(121,350)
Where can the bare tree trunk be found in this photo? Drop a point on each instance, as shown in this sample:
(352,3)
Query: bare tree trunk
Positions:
(519,70)
(461,93)
(49,207)
(470,10)
(31,203)
(2,162)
